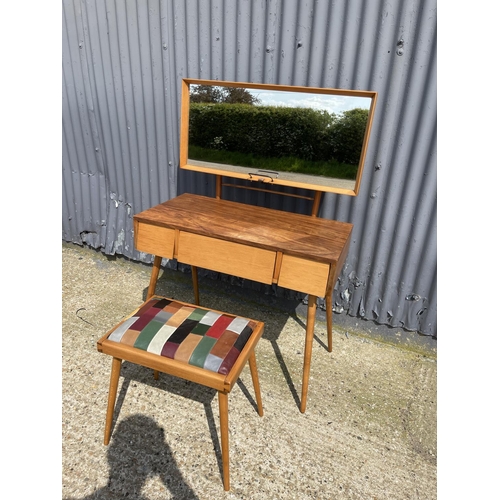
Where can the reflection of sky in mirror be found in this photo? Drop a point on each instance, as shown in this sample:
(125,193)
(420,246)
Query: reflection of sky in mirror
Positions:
(328,102)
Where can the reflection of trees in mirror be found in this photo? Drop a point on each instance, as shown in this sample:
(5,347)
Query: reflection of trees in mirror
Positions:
(138,452)
(228,95)
(301,140)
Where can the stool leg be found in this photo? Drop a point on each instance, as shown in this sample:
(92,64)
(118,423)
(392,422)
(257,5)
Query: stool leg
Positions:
(113,387)
(255,379)
(224,437)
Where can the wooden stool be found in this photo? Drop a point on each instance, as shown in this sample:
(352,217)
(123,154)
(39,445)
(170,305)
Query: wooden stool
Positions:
(190,342)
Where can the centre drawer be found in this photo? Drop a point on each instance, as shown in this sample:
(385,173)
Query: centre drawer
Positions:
(227,257)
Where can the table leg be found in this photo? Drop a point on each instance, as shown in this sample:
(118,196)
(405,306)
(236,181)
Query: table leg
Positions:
(311,315)
(154,277)
(329,320)
(194,274)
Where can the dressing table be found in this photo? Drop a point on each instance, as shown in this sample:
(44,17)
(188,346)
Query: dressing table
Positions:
(300,252)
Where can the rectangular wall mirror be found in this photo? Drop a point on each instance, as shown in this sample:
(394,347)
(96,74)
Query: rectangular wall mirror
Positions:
(303,137)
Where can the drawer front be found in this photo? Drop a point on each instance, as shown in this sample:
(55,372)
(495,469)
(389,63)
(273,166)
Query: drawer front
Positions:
(155,240)
(226,257)
(302,275)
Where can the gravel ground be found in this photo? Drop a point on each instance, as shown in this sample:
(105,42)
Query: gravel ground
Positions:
(369,431)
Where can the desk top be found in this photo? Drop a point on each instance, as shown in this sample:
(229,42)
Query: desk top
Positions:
(295,234)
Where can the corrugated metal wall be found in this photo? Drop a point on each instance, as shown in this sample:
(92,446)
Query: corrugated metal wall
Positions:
(122,65)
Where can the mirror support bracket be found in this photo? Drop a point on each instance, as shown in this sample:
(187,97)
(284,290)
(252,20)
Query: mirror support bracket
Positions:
(259,177)
(316,199)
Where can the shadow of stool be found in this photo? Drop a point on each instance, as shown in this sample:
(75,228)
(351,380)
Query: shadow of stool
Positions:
(201,345)
(137,453)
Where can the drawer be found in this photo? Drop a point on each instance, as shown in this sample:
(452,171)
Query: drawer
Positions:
(302,275)
(155,240)
(226,257)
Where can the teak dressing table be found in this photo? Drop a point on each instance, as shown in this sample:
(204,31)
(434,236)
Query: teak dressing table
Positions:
(295,251)
(300,252)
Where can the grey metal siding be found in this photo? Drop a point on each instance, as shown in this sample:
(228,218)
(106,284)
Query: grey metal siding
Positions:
(122,66)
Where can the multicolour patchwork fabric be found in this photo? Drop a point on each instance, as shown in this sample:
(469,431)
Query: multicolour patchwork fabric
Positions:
(196,336)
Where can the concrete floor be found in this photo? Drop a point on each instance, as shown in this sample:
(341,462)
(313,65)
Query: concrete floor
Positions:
(369,431)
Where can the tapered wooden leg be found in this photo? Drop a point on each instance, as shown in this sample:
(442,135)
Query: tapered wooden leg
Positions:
(194,274)
(224,437)
(152,289)
(113,387)
(329,322)
(311,314)
(154,277)
(255,379)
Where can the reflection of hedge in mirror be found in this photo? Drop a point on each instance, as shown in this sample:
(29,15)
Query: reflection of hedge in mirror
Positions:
(278,131)
(348,132)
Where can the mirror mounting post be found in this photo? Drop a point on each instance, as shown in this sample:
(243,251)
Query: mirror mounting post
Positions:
(316,202)
(218,186)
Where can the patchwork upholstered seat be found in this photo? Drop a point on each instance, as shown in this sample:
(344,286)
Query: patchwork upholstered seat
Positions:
(191,334)
(201,345)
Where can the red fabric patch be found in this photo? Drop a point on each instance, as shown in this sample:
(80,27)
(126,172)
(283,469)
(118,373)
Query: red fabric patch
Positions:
(219,327)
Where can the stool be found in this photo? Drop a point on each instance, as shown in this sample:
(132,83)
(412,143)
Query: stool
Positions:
(201,345)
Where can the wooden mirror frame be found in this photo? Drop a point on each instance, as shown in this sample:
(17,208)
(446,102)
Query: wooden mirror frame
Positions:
(296,180)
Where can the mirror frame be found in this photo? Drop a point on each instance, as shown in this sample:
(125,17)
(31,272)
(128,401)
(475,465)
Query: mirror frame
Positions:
(304,181)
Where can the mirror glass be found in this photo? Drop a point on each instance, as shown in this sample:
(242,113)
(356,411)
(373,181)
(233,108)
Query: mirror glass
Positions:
(313,138)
